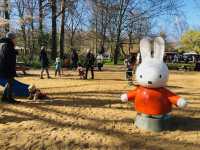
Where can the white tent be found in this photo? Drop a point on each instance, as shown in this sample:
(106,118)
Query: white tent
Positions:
(190,53)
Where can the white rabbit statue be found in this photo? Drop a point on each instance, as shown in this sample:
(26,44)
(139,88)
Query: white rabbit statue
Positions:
(151,98)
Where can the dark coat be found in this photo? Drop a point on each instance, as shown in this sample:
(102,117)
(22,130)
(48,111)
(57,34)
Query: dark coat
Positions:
(44,59)
(74,57)
(90,60)
(197,66)
(7,59)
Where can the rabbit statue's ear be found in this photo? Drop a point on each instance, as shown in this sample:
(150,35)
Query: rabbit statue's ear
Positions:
(145,48)
(159,48)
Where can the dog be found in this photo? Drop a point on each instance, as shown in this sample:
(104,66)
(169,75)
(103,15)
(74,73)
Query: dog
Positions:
(35,93)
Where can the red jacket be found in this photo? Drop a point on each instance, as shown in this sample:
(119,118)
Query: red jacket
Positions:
(153,101)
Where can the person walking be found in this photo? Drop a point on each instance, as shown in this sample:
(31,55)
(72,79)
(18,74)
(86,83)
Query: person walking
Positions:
(74,59)
(8,65)
(89,63)
(197,65)
(58,67)
(44,62)
(100,61)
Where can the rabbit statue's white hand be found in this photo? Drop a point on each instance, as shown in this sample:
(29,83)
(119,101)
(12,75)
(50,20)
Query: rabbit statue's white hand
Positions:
(182,103)
(124,97)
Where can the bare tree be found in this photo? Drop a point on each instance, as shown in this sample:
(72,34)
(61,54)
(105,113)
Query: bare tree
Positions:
(122,8)
(31,7)
(62,29)
(41,16)
(180,26)
(136,29)
(41,4)
(109,24)
(20,7)
(64,5)
(74,20)
(53,29)
(146,8)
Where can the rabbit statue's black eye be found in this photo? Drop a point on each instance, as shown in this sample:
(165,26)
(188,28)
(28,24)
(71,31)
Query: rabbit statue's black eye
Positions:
(140,76)
(160,76)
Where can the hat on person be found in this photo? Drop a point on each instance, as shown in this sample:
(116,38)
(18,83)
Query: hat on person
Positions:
(11,35)
(42,48)
(88,50)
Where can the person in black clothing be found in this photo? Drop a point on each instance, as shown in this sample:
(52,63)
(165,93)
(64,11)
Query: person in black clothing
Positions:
(44,62)
(197,65)
(74,58)
(89,63)
(8,65)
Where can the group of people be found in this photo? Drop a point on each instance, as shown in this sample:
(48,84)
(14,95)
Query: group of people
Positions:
(8,55)
(88,64)
(45,64)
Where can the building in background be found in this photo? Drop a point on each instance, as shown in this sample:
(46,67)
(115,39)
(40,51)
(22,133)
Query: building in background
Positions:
(4,15)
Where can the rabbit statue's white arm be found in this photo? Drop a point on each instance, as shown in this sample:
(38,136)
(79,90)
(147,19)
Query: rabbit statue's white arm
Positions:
(181,103)
(130,96)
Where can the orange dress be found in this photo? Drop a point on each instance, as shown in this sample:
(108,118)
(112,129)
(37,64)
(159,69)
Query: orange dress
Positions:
(153,101)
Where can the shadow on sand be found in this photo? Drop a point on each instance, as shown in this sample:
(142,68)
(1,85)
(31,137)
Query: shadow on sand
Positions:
(129,140)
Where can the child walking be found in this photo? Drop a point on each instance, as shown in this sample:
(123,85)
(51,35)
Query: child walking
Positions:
(129,72)
(58,67)
(130,68)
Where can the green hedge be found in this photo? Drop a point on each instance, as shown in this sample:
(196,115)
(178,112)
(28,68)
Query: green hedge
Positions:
(110,62)
(176,66)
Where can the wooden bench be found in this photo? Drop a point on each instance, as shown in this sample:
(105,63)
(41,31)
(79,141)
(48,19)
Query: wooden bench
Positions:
(20,66)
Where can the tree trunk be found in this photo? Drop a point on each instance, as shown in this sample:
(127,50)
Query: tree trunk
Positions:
(54,30)
(96,33)
(130,45)
(23,27)
(40,24)
(116,53)
(72,39)
(32,37)
(117,49)
(123,6)
(29,40)
(62,29)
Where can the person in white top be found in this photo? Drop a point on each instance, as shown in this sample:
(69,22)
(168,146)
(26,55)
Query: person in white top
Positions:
(100,61)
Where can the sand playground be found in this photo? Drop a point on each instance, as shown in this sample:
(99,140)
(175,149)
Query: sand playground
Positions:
(88,114)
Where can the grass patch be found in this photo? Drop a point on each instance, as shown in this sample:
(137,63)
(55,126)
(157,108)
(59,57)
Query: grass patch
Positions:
(176,66)
(110,62)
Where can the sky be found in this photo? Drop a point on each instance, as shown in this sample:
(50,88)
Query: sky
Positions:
(190,15)
(191,10)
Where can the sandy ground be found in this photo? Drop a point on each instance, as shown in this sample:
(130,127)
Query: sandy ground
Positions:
(89,115)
